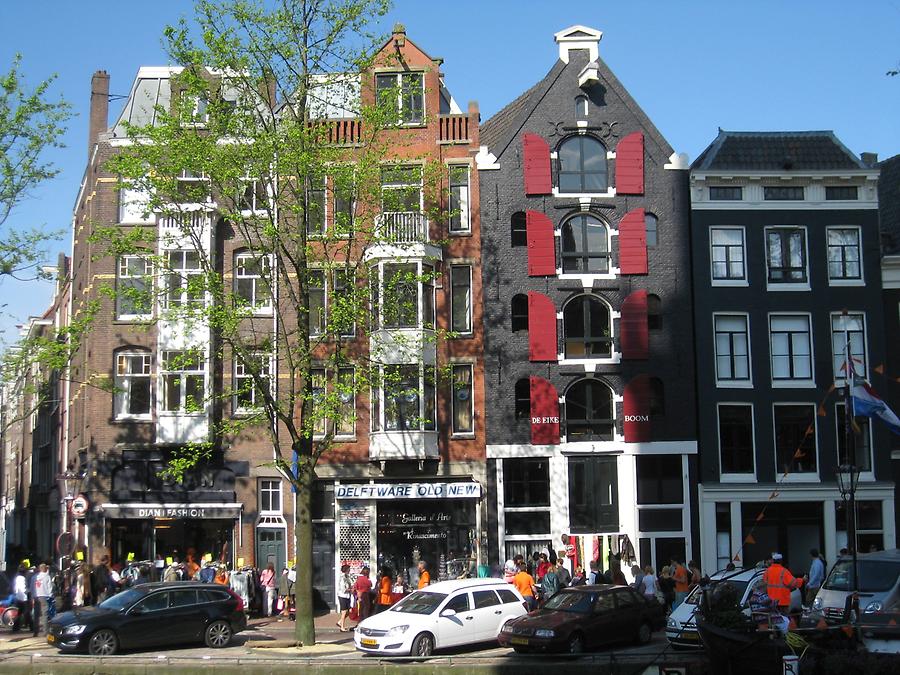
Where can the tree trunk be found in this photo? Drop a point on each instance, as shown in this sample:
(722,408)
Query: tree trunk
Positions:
(304,626)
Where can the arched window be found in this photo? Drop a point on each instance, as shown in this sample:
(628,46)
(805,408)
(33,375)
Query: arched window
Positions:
(585,245)
(651,224)
(581,107)
(654,312)
(523,399)
(582,165)
(519,313)
(657,396)
(587,330)
(518,229)
(589,412)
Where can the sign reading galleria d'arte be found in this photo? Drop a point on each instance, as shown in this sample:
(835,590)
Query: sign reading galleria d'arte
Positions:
(409,491)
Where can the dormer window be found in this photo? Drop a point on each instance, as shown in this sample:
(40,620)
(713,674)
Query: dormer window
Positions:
(403,94)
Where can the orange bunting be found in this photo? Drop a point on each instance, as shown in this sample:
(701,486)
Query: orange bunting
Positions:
(848,630)
(760,516)
(822,625)
(749,539)
(892,622)
(775,492)
(879,369)
(822,412)
(831,389)
(799,454)
(810,430)
(737,557)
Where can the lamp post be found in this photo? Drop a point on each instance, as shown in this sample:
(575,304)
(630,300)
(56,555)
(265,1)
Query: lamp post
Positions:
(67,482)
(848,479)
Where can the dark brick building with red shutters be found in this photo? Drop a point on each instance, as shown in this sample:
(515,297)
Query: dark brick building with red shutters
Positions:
(589,367)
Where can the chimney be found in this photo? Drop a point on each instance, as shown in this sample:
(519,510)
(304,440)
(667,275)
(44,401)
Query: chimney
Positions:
(870,159)
(99,119)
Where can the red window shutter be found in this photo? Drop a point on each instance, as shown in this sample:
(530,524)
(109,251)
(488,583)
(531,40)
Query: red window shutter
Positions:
(541,245)
(630,165)
(633,243)
(536,165)
(636,406)
(634,337)
(544,412)
(541,328)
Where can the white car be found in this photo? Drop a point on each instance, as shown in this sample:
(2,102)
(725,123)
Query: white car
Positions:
(445,614)
(681,626)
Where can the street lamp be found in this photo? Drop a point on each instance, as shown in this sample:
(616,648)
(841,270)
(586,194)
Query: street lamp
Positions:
(848,480)
(67,481)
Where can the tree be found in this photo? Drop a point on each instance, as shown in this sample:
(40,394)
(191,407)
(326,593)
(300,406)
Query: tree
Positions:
(30,124)
(267,176)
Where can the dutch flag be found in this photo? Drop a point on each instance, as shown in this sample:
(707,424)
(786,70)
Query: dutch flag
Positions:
(866,403)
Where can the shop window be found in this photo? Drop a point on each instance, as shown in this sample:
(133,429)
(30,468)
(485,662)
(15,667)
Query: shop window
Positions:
(461,298)
(582,165)
(184,279)
(252,378)
(134,282)
(463,403)
(270,496)
(589,412)
(523,399)
(518,229)
(460,219)
(519,312)
(860,440)
(795,438)
(183,381)
(588,329)
(659,480)
(526,482)
(593,495)
(869,525)
(654,312)
(252,282)
(132,383)
(585,246)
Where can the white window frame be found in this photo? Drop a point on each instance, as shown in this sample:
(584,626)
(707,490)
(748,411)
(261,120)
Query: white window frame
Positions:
(318,326)
(378,419)
(733,382)
(251,185)
(264,359)
(188,176)
(350,402)
(838,352)
(183,373)
(424,319)
(122,265)
(842,280)
(794,476)
(465,269)
(337,288)
(183,274)
(792,382)
(787,285)
(724,476)
(464,213)
(265,260)
(455,399)
(398,85)
(323,381)
(132,205)
(271,486)
(320,189)
(743,280)
(124,379)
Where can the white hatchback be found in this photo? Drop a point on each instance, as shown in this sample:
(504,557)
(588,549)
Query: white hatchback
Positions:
(445,614)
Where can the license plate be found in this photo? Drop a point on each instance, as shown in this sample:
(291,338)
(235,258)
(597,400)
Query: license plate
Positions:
(518,641)
(51,638)
(686,635)
(368,643)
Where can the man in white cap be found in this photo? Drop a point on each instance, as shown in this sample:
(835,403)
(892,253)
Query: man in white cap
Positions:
(780,582)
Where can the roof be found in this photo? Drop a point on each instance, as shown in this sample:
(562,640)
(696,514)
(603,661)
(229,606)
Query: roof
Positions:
(151,90)
(777,151)
(491,130)
(458,584)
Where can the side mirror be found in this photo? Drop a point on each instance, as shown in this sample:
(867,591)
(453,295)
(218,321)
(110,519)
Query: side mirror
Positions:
(137,609)
(448,612)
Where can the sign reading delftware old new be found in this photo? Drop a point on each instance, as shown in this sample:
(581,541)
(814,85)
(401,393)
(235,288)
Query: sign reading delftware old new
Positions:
(409,491)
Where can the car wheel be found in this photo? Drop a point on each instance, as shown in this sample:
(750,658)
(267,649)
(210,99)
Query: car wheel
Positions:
(218,634)
(103,643)
(644,634)
(9,617)
(576,644)
(423,645)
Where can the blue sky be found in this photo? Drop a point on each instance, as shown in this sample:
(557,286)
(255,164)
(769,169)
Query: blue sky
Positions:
(693,66)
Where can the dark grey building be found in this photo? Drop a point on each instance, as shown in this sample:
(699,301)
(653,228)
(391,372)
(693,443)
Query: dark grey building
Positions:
(591,440)
(787,274)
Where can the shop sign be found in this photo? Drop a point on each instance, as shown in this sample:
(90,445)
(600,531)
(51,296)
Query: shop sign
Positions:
(188,511)
(409,491)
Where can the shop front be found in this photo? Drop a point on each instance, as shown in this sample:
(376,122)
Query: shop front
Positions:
(396,525)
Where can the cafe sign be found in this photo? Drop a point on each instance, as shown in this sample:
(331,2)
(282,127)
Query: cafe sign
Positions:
(409,491)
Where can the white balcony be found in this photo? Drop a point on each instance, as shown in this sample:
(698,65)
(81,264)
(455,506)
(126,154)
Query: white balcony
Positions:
(394,445)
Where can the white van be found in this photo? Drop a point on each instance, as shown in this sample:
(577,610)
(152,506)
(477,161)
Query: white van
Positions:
(445,614)
(879,585)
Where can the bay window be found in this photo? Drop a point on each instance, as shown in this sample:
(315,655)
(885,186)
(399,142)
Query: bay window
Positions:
(405,399)
(183,381)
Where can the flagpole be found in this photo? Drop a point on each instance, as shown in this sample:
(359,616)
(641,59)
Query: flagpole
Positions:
(850,453)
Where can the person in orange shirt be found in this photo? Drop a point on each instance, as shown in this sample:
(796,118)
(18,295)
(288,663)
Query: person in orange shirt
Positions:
(524,582)
(424,576)
(780,582)
(682,581)
(385,584)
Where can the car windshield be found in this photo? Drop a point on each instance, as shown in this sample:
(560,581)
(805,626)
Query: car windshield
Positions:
(739,587)
(123,599)
(570,601)
(874,575)
(419,602)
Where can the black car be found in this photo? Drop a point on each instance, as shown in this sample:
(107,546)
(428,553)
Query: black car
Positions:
(585,617)
(152,615)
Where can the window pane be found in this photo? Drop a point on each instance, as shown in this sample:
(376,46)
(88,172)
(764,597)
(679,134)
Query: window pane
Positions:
(736,438)
(526,482)
(462,399)
(795,438)
(460,300)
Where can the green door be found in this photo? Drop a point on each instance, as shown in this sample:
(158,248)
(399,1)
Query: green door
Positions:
(270,548)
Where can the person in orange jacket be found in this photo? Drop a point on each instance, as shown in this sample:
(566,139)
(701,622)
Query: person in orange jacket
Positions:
(780,582)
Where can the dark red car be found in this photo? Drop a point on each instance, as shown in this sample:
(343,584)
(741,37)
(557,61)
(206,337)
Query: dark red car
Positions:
(583,618)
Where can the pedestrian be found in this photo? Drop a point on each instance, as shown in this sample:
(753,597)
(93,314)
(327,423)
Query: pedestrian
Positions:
(100,581)
(615,573)
(550,582)
(525,583)
(648,586)
(424,575)
(667,587)
(542,566)
(345,585)
(43,591)
(222,575)
(562,573)
(362,589)
(267,581)
(284,592)
(385,586)
(191,567)
(579,579)
(816,576)
(20,594)
(509,570)
(695,573)
(780,582)
(172,572)
(682,582)
(638,575)
(83,591)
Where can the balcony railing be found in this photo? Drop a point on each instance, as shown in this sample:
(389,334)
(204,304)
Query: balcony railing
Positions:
(454,129)
(189,221)
(339,131)
(403,227)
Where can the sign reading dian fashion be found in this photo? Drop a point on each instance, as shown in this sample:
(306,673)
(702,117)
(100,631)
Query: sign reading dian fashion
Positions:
(409,491)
